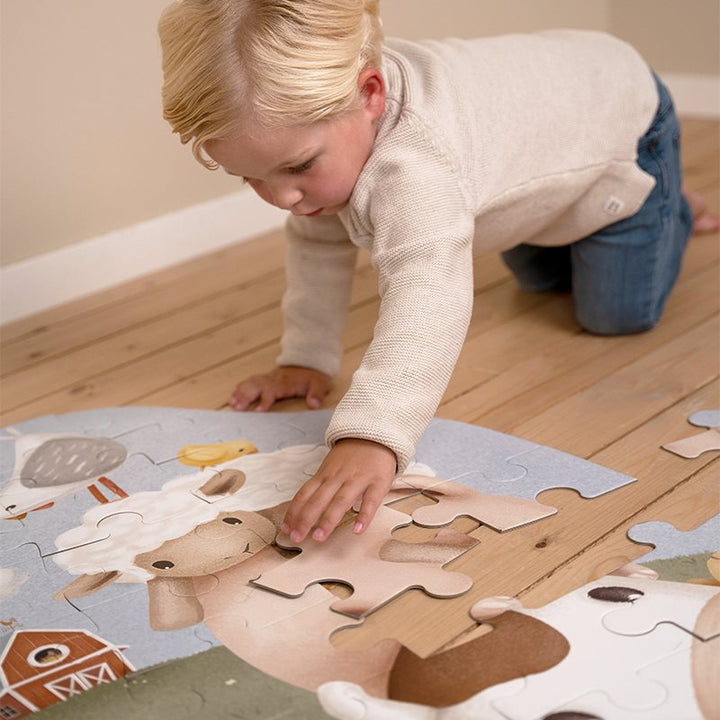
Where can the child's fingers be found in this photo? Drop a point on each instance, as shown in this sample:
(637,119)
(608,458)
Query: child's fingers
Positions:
(372,499)
(268,396)
(245,395)
(318,388)
(335,511)
(320,504)
(304,510)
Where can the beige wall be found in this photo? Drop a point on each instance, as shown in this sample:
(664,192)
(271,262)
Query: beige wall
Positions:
(416,19)
(85,150)
(84,147)
(675,36)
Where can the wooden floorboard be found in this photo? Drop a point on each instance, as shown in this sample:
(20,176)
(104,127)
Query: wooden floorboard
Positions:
(184,336)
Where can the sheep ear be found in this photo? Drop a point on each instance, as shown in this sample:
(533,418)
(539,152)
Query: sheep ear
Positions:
(172,604)
(86,585)
(226,482)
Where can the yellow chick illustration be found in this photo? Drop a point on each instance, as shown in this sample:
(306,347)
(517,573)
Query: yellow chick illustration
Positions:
(203,456)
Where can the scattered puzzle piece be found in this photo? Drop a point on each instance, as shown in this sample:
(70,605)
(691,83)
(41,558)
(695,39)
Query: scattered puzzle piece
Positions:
(357,560)
(696,445)
(454,500)
(671,542)
(705,418)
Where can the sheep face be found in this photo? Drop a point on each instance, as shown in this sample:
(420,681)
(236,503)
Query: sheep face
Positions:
(229,539)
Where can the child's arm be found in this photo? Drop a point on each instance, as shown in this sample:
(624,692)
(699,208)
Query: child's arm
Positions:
(420,231)
(319,268)
(353,470)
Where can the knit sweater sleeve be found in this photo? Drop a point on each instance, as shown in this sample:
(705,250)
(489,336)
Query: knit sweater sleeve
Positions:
(419,232)
(319,269)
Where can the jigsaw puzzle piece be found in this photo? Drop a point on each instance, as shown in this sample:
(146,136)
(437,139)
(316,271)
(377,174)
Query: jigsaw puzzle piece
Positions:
(705,418)
(454,500)
(547,468)
(671,542)
(695,445)
(357,560)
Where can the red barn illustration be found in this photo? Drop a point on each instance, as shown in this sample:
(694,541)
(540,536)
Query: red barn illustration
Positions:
(41,667)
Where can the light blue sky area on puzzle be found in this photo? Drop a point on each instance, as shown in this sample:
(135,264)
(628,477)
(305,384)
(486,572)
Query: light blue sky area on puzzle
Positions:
(491,462)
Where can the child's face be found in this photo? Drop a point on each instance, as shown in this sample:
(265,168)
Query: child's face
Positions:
(308,169)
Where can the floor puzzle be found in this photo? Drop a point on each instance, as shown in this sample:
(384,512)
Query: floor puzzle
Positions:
(136,540)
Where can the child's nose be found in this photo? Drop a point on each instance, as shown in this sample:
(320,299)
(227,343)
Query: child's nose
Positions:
(286,196)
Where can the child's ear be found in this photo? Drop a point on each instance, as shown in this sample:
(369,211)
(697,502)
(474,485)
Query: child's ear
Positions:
(372,91)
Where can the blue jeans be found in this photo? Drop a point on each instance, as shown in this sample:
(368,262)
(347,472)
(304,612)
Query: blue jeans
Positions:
(621,276)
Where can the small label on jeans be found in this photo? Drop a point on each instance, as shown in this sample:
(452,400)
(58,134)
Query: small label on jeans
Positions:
(613,205)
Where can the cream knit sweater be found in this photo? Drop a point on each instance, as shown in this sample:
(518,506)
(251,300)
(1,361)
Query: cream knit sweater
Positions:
(483,144)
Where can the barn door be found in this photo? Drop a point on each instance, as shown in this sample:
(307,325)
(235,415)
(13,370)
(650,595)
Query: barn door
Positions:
(84,679)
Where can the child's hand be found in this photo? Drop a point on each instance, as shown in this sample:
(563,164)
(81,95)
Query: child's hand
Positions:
(353,469)
(282,382)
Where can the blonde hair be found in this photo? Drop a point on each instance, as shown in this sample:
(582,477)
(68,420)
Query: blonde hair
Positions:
(276,62)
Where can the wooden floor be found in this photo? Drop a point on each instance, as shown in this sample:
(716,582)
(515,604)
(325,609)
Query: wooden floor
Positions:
(183,337)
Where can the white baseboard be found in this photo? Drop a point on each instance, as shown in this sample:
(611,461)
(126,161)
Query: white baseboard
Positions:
(56,277)
(694,95)
(53,278)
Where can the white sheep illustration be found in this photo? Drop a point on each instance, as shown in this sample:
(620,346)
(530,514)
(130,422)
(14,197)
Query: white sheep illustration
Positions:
(153,536)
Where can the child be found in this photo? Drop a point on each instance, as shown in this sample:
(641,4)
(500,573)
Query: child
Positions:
(559,149)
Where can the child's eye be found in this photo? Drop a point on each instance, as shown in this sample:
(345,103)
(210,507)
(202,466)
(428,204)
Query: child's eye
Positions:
(298,169)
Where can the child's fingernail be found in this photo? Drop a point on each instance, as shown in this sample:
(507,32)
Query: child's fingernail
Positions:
(313,402)
(319,535)
(295,536)
(358,528)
